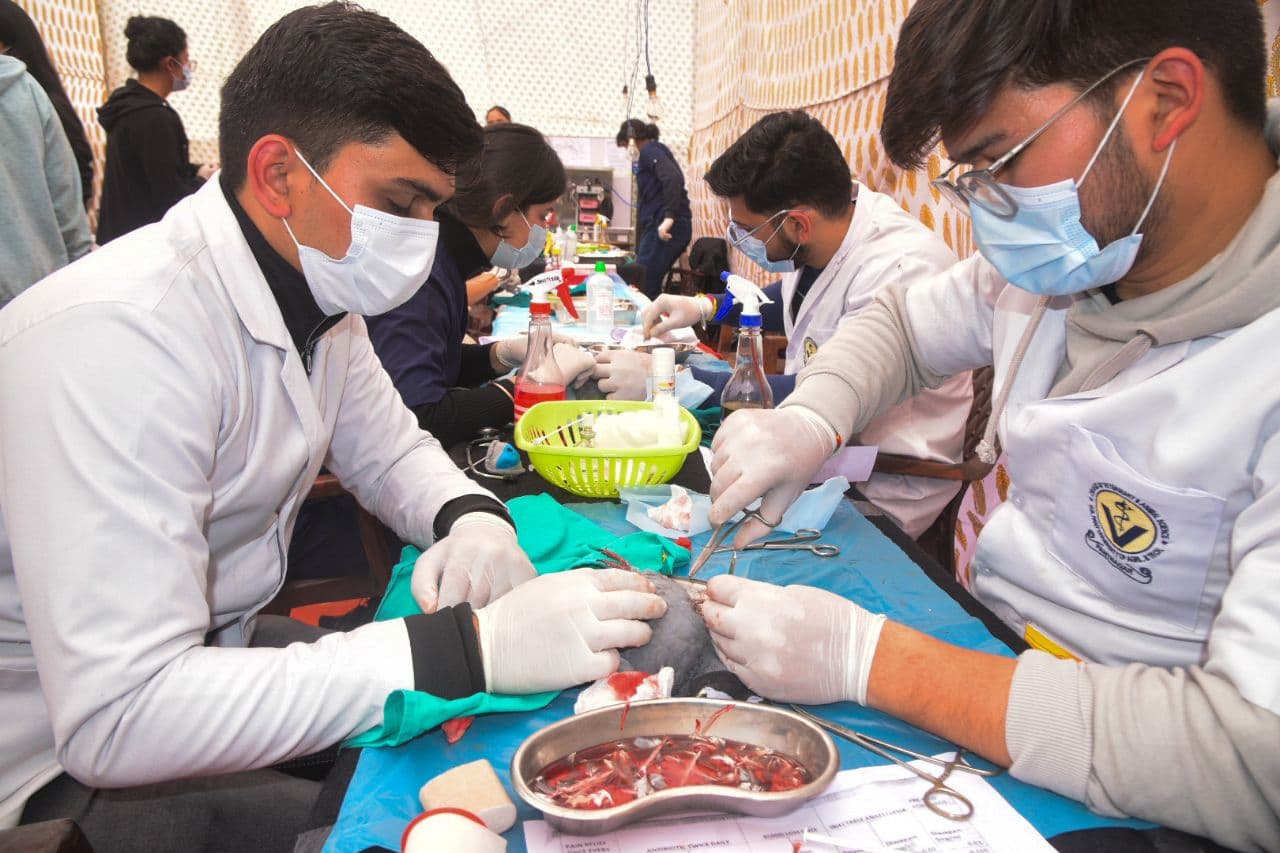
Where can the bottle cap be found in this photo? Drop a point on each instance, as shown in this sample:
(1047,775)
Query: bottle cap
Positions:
(540,308)
(600,266)
(663,361)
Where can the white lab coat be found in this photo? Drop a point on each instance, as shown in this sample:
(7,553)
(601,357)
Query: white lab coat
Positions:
(1142,516)
(884,245)
(157,436)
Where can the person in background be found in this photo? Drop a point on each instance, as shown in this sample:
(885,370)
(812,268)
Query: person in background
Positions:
(493,220)
(20,39)
(168,401)
(795,210)
(43,226)
(148,167)
(497,115)
(1115,163)
(664,222)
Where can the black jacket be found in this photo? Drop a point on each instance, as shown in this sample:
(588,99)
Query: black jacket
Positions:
(148,169)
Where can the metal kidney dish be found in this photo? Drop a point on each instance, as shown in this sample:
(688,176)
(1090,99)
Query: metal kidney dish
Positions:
(763,725)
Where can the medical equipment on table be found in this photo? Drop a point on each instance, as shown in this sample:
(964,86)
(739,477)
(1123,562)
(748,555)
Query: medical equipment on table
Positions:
(723,532)
(939,792)
(500,460)
(806,539)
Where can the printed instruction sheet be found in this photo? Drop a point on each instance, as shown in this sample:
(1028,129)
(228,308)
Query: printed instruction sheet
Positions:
(872,809)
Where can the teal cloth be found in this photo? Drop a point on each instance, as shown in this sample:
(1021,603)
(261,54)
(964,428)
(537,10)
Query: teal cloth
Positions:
(556,539)
(523,298)
(709,419)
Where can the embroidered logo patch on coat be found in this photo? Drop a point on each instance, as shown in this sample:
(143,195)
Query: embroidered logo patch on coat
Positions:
(1127,531)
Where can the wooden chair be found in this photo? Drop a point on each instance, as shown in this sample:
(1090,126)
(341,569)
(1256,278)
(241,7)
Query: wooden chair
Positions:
(937,539)
(773,344)
(377,551)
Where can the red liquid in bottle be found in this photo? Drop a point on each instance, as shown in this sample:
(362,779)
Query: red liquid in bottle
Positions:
(531,393)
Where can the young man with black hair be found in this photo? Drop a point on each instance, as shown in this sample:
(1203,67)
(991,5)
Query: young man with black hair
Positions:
(168,402)
(794,209)
(1127,211)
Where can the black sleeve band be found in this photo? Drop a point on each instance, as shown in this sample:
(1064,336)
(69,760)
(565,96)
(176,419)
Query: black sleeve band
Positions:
(460,506)
(475,366)
(446,653)
(463,412)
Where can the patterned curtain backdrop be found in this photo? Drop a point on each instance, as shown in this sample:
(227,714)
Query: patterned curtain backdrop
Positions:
(74,41)
(831,58)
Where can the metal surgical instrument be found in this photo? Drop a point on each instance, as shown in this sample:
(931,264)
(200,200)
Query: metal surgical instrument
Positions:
(806,539)
(723,532)
(940,794)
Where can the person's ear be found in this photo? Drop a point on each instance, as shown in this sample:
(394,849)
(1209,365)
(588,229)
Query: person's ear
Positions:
(801,226)
(1180,82)
(267,175)
(503,206)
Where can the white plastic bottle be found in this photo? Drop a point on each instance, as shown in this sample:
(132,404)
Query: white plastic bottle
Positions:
(600,301)
(569,251)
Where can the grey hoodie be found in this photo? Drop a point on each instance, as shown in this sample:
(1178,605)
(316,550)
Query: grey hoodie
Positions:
(1178,746)
(42,221)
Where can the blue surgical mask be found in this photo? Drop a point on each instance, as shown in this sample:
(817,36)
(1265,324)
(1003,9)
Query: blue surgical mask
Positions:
(755,249)
(508,257)
(1044,248)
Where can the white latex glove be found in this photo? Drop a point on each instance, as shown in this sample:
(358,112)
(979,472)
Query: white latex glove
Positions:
(563,629)
(511,352)
(623,374)
(477,562)
(669,312)
(576,364)
(206,171)
(765,453)
(793,643)
(664,229)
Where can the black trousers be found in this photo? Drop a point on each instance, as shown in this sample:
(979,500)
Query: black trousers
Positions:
(257,810)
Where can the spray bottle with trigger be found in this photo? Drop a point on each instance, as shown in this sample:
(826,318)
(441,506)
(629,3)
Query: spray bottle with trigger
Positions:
(540,378)
(748,387)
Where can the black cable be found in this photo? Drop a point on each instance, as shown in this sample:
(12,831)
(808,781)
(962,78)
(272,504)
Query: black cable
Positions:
(647,65)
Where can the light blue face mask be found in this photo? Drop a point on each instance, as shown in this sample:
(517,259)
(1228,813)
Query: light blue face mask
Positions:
(508,257)
(754,248)
(1043,247)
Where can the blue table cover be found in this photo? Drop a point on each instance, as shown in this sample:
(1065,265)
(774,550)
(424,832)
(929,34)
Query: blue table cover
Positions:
(383,794)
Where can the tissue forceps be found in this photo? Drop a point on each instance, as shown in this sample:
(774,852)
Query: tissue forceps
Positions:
(722,533)
(940,794)
(806,539)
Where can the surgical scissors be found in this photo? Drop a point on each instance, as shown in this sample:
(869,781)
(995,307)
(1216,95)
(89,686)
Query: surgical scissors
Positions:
(723,532)
(939,793)
(806,539)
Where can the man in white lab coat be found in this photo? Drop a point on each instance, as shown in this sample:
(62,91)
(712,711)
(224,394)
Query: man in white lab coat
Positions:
(1127,210)
(167,403)
(794,209)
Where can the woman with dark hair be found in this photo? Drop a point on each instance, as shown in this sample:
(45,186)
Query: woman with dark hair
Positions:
(497,115)
(20,39)
(494,219)
(148,167)
(664,222)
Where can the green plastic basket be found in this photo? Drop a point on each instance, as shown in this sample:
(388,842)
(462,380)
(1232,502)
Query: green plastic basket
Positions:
(549,433)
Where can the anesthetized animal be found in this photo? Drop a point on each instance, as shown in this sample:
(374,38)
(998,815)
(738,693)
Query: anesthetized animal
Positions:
(681,641)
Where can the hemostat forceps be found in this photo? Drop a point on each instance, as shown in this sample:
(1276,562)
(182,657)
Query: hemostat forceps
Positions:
(723,532)
(941,798)
(806,539)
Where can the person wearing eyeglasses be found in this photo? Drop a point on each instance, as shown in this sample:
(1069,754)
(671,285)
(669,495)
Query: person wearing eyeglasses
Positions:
(148,168)
(795,211)
(1114,161)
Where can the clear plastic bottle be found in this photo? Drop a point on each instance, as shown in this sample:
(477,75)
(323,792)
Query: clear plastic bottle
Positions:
(540,378)
(600,301)
(748,387)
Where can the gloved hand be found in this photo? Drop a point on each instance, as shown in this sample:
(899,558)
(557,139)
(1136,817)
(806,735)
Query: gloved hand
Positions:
(563,629)
(664,229)
(622,374)
(793,643)
(511,352)
(669,312)
(574,363)
(478,561)
(769,453)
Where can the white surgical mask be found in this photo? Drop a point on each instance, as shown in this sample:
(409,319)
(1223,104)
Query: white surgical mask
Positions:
(389,258)
(509,257)
(1044,248)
